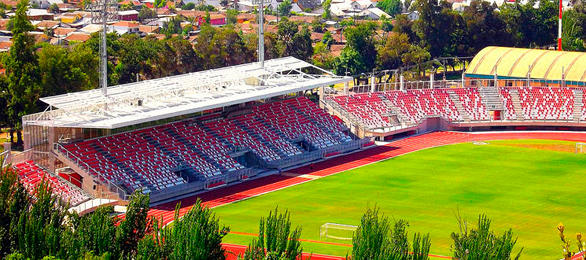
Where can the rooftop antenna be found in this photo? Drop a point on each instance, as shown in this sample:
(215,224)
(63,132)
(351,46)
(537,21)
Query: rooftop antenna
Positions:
(261,33)
(103,11)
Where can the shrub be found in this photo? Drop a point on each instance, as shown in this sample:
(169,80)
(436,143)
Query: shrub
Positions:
(481,242)
(275,239)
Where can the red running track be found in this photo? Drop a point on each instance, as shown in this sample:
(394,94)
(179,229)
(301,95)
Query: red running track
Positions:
(272,183)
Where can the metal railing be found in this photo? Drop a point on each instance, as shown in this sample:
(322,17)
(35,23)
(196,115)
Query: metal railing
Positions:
(83,165)
(4,159)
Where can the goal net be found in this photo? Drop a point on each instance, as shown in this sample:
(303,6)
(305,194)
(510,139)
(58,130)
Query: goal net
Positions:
(337,231)
(580,147)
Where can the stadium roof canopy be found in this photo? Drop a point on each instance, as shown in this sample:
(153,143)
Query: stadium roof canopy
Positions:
(517,63)
(151,100)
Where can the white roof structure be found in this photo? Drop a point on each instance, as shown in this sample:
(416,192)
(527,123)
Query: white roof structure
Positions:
(156,99)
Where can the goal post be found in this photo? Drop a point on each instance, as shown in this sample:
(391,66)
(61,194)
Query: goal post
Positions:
(580,148)
(337,231)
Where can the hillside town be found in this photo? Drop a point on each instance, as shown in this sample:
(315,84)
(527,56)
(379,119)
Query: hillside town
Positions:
(63,22)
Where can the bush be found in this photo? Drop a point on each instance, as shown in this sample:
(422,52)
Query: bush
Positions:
(374,239)
(188,6)
(482,243)
(197,235)
(275,239)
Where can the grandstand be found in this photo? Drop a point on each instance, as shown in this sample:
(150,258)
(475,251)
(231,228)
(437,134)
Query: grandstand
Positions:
(398,111)
(184,134)
(502,88)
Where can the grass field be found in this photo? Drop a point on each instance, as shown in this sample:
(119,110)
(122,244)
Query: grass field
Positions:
(528,185)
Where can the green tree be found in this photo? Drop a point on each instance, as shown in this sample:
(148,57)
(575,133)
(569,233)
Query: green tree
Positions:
(376,238)
(188,6)
(197,235)
(402,24)
(63,71)
(231,16)
(484,27)
(326,5)
(317,25)
(146,14)
(415,57)
(40,227)
(54,8)
(435,20)
(275,240)
(302,46)
(133,228)
(93,232)
(481,242)
(207,17)
(22,71)
(13,202)
(350,63)
(574,37)
(322,56)
(390,54)
(386,24)
(284,8)
(360,40)
(391,7)
(328,39)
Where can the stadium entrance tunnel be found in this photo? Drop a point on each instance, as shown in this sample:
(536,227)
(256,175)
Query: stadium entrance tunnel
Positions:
(188,174)
(305,145)
(247,159)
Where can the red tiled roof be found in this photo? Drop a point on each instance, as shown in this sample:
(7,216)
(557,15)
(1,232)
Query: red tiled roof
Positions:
(129,24)
(61,31)
(79,37)
(47,24)
(3,24)
(148,28)
(5,45)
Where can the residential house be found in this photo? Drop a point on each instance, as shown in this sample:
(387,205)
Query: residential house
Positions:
(123,27)
(148,29)
(77,37)
(129,15)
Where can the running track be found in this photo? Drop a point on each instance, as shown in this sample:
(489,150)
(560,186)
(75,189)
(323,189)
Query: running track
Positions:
(264,185)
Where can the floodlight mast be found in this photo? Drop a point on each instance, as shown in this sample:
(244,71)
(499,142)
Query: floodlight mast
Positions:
(103,11)
(104,52)
(261,34)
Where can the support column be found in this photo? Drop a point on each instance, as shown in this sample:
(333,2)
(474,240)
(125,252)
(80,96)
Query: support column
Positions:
(401,82)
(372,84)
(463,80)
(431,78)
(7,147)
(346,87)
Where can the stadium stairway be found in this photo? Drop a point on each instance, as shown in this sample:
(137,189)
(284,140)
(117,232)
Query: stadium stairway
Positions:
(183,165)
(260,139)
(216,135)
(491,99)
(454,97)
(393,110)
(123,166)
(318,124)
(578,104)
(181,139)
(517,103)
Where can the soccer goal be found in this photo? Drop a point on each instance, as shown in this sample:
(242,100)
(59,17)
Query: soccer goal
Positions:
(337,231)
(580,148)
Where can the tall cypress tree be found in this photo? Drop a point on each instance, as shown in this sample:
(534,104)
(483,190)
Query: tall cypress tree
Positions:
(22,70)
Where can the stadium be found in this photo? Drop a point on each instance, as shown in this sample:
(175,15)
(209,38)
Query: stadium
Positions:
(248,138)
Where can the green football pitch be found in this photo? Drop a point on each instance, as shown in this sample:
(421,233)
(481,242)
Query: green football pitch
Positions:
(527,185)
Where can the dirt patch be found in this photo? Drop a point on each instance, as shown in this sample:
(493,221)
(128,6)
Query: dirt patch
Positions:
(568,148)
